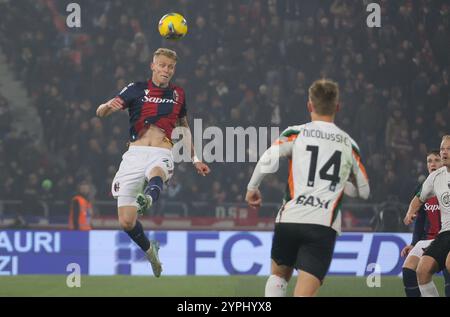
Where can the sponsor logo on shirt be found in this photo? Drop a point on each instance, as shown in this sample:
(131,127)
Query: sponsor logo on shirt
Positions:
(157,100)
(312,201)
(445,198)
(431,207)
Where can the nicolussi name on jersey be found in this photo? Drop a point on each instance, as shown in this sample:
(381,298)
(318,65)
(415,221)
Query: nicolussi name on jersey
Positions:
(316,133)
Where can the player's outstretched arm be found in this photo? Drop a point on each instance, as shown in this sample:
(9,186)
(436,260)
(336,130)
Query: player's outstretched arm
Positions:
(109,107)
(414,207)
(201,167)
(268,164)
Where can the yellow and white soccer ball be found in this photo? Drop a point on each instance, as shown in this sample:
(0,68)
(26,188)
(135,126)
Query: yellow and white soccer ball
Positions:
(172,26)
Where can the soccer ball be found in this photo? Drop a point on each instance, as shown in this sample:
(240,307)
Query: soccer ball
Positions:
(172,26)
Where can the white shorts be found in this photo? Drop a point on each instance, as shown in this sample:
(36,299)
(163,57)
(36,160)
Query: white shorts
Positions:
(418,249)
(134,168)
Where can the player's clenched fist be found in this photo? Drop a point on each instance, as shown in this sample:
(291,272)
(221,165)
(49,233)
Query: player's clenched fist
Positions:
(253,198)
(115,104)
(409,218)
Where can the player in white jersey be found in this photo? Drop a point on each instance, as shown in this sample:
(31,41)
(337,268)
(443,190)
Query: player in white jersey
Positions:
(322,158)
(426,228)
(436,257)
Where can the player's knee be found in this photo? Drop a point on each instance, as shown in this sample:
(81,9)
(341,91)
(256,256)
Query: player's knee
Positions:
(156,171)
(411,263)
(126,224)
(424,272)
(163,169)
(421,270)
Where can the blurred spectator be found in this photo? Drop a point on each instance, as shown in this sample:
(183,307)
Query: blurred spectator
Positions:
(81,211)
(244,63)
(31,201)
(5,116)
(349,220)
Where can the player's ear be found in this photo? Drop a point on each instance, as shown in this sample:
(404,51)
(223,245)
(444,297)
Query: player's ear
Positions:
(310,106)
(338,107)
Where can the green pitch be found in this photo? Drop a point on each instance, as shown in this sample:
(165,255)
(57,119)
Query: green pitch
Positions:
(187,286)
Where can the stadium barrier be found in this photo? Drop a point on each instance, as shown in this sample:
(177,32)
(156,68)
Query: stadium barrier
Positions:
(111,252)
(176,215)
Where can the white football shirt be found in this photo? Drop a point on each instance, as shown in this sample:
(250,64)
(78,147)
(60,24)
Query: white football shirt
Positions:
(438,184)
(321,159)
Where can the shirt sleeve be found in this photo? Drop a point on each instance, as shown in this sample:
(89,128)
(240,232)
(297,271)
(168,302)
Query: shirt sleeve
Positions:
(350,190)
(427,190)
(127,94)
(269,161)
(359,171)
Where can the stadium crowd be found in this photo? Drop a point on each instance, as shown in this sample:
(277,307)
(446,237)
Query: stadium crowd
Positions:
(243,63)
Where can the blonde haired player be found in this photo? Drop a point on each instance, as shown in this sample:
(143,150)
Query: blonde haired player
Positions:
(155,107)
(437,256)
(322,158)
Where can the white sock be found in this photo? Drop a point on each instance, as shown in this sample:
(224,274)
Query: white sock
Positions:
(275,287)
(428,290)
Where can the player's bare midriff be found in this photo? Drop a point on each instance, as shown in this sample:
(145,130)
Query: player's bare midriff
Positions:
(154,136)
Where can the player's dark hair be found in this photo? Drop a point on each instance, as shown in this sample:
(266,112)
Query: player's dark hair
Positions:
(324,95)
(434,152)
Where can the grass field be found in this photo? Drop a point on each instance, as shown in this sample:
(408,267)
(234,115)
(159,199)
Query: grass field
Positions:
(187,286)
